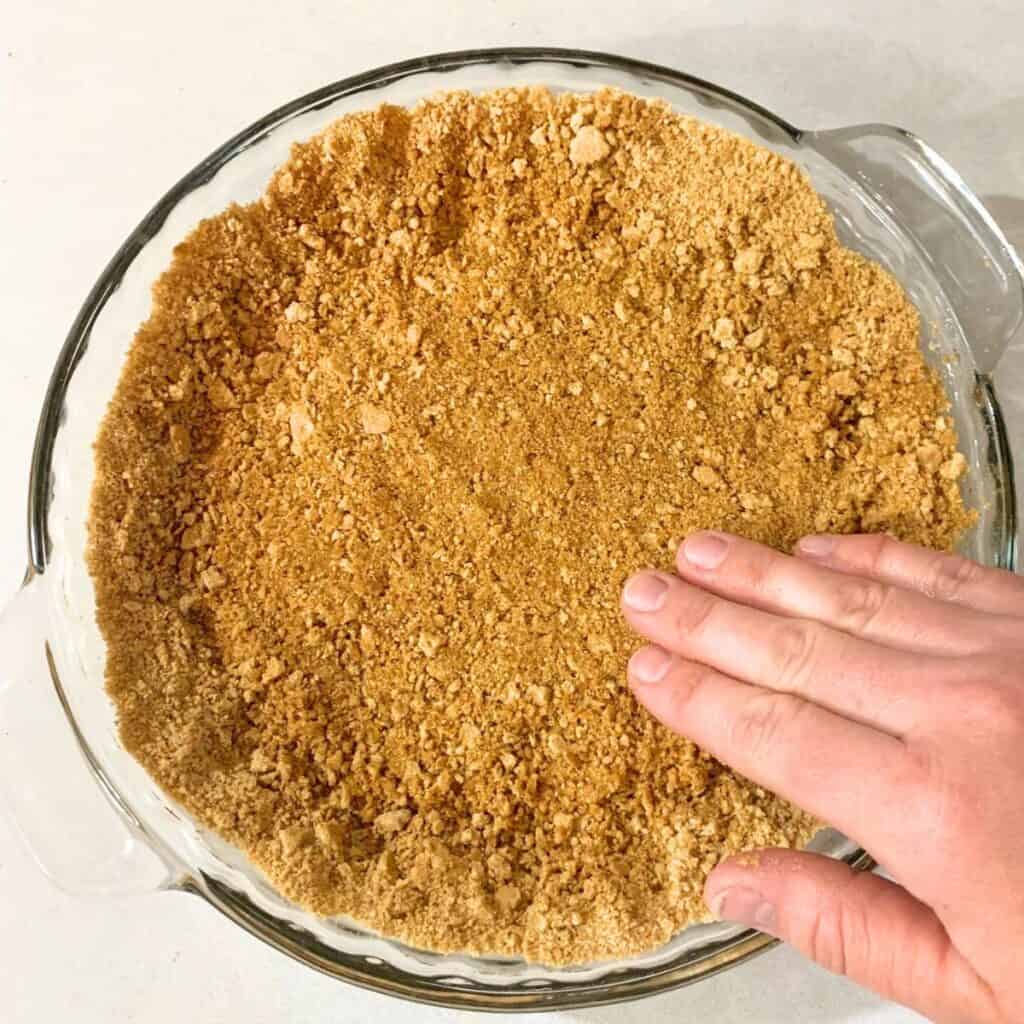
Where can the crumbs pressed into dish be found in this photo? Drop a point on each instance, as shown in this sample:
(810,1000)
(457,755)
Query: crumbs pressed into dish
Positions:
(389,444)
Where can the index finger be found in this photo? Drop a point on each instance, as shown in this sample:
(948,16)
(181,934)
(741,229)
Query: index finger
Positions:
(760,576)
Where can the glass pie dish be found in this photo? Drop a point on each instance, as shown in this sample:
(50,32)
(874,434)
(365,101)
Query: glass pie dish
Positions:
(95,821)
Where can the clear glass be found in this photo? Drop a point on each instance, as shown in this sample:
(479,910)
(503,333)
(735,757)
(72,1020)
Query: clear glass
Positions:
(892,198)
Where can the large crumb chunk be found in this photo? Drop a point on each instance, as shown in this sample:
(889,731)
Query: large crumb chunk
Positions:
(588,146)
(374,419)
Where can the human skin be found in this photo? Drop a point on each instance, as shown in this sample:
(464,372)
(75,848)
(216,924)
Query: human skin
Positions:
(880,686)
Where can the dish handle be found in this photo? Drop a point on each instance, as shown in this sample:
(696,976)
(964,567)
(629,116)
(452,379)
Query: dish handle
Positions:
(977,267)
(59,811)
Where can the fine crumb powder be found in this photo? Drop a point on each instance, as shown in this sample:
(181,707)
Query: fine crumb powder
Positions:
(388,446)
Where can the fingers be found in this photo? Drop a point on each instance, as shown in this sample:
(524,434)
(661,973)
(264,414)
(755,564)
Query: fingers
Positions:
(848,675)
(854,924)
(758,575)
(936,574)
(780,741)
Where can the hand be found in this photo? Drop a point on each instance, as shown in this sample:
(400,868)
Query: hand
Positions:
(880,687)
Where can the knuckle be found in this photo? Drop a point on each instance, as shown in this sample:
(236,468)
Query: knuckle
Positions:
(997,707)
(950,575)
(691,611)
(839,936)
(755,570)
(829,938)
(793,646)
(764,722)
(877,551)
(858,603)
(919,773)
(686,679)
(939,804)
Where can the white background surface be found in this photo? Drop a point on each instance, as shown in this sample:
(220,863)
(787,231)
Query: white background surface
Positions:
(103,105)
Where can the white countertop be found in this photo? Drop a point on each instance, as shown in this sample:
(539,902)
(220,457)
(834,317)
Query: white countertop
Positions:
(104,105)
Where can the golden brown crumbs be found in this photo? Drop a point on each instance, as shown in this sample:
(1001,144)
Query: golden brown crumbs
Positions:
(389,444)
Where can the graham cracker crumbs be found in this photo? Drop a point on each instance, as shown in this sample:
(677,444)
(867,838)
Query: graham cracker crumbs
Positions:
(389,444)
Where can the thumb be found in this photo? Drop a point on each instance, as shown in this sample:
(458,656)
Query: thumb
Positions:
(852,923)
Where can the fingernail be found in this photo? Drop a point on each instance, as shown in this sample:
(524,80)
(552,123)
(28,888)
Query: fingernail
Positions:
(705,550)
(645,592)
(744,906)
(649,664)
(817,546)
